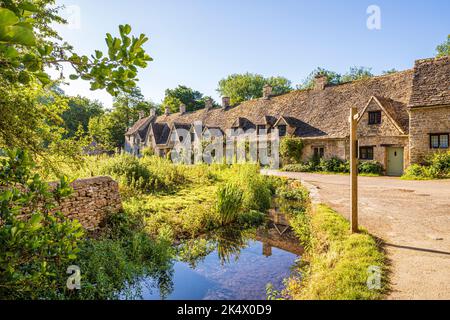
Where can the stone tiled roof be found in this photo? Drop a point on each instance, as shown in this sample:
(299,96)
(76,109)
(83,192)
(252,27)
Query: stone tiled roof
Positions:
(314,113)
(397,111)
(431,83)
(139,125)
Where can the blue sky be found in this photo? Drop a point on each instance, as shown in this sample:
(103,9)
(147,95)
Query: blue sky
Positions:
(198,42)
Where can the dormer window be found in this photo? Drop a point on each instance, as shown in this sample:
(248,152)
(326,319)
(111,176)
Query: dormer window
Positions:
(282,130)
(374,117)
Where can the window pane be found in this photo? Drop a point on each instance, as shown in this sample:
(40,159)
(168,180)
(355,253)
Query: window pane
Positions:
(435,141)
(443,140)
(370,153)
(282,130)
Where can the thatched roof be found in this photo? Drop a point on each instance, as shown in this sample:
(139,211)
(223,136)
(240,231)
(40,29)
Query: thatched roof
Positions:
(431,83)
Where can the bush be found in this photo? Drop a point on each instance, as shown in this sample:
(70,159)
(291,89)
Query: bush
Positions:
(256,188)
(333,165)
(149,174)
(291,150)
(370,167)
(36,248)
(229,202)
(437,166)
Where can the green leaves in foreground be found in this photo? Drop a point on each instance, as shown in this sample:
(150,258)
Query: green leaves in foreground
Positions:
(13,31)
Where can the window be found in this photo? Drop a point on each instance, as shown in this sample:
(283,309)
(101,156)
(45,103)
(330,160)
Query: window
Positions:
(319,153)
(439,141)
(374,117)
(282,130)
(366,153)
(261,129)
(192,136)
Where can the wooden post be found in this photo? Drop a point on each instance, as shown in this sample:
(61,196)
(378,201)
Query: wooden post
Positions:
(354,169)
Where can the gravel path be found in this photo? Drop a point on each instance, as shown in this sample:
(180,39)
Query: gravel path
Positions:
(412,217)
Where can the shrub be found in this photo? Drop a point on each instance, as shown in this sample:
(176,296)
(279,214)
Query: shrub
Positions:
(36,248)
(332,165)
(148,152)
(437,166)
(291,150)
(229,202)
(149,174)
(370,167)
(256,188)
(301,167)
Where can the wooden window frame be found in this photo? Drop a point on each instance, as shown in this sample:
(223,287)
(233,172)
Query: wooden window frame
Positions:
(285,130)
(438,135)
(367,153)
(319,152)
(374,117)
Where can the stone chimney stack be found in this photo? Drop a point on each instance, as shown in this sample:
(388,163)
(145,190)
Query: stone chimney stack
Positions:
(167,111)
(182,108)
(141,114)
(208,104)
(320,82)
(152,112)
(267,91)
(225,102)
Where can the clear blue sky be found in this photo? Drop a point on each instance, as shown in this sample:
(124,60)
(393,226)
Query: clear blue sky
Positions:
(198,42)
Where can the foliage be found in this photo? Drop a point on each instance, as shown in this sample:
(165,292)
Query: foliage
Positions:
(443,49)
(370,167)
(78,113)
(248,86)
(291,149)
(192,99)
(38,247)
(146,175)
(229,202)
(357,73)
(437,166)
(336,262)
(109,129)
(308,83)
(28,45)
(335,165)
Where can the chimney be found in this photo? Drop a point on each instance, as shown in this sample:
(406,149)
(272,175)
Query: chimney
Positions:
(267,91)
(167,111)
(208,104)
(152,112)
(182,108)
(225,102)
(141,114)
(320,82)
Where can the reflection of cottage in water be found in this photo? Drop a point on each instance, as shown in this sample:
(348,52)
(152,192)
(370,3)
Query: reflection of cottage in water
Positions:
(278,234)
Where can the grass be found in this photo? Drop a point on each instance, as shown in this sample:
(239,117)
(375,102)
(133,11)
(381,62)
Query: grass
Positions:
(336,262)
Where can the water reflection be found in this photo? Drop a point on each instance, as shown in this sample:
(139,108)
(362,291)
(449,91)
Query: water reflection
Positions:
(229,264)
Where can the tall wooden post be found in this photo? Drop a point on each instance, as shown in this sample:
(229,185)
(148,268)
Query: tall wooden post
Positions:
(354,169)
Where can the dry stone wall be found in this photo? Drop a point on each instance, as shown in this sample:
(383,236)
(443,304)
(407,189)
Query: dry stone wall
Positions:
(91,201)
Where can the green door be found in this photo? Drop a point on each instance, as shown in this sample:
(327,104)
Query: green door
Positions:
(395,161)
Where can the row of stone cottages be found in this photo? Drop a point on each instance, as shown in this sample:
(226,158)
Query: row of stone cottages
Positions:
(404,117)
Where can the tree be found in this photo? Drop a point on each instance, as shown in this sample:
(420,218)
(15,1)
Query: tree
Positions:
(80,110)
(357,73)
(443,49)
(390,71)
(308,83)
(243,87)
(29,46)
(109,129)
(192,99)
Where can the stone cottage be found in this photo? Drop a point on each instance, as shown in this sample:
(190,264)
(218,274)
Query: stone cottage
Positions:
(403,117)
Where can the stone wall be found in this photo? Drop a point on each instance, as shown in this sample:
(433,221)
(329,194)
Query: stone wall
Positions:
(423,122)
(92,200)
(332,148)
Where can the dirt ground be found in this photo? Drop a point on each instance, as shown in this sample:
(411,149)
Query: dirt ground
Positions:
(412,217)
